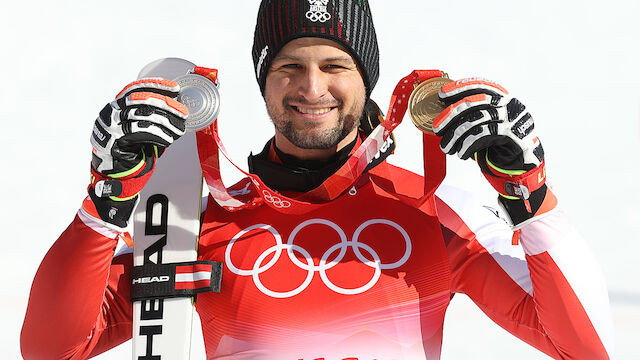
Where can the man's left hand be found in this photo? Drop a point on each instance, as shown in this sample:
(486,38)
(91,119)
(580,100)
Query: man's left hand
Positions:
(483,120)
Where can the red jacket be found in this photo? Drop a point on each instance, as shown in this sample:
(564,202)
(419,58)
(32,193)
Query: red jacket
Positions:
(359,278)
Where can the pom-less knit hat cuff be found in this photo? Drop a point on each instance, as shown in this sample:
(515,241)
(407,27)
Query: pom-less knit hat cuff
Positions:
(347,22)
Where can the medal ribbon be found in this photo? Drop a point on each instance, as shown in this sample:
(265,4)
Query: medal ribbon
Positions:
(210,146)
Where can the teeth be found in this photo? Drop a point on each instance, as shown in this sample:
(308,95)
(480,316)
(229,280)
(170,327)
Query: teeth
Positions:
(313,111)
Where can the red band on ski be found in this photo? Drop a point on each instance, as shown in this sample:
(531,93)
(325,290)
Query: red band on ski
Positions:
(184,279)
(210,145)
(193,276)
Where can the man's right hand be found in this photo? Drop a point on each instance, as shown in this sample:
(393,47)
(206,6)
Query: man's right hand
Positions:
(128,136)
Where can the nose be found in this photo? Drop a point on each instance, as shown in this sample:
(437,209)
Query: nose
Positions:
(313,84)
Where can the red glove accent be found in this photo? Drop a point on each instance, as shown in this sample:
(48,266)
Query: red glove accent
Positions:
(520,186)
(125,187)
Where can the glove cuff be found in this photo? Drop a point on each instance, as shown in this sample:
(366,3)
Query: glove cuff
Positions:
(513,184)
(115,212)
(115,196)
(524,196)
(119,189)
(522,212)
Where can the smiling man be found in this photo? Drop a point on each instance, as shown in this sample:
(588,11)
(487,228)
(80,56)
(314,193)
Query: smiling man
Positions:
(315,96)
(333,263)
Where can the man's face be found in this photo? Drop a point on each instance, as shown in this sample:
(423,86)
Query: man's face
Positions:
(315,96)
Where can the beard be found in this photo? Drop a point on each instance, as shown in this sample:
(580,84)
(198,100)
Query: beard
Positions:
(315,137)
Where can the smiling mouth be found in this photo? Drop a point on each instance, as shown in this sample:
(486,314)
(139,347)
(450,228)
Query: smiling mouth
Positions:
(310,111)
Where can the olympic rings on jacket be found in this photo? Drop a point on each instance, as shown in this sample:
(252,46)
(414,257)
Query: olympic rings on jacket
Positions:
(324,264)
(275,200)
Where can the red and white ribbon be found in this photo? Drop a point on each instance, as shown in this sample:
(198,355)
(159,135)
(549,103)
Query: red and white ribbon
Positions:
(210,146)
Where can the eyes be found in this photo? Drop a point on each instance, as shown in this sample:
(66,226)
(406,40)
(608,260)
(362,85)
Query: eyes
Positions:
(335,66)
(330,67)
(289,66)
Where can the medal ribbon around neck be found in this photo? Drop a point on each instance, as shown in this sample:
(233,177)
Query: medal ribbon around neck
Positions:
(210,146)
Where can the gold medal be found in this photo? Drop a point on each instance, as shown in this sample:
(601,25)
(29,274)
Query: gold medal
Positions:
(424,104)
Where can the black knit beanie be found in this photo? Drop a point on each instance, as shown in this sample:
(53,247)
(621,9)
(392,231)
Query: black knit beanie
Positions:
(347,22)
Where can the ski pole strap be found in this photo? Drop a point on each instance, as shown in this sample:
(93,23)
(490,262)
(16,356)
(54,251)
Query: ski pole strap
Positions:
(210,146)
(184,279)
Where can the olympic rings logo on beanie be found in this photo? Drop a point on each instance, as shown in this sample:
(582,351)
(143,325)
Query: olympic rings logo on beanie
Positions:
(347,22)
(318,11)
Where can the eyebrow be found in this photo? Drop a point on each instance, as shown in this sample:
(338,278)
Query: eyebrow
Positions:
(331,59)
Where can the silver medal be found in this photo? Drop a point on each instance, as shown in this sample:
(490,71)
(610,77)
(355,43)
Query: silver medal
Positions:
(199,94)
(202,99)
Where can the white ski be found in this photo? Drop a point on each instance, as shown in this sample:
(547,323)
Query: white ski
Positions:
(166,230)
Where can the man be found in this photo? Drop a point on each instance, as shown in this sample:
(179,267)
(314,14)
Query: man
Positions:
(367,273)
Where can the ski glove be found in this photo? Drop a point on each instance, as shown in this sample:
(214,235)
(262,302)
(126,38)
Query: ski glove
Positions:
(128,136)
(482,121)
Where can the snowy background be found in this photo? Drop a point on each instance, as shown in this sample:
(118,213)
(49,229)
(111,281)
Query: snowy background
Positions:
(573,63)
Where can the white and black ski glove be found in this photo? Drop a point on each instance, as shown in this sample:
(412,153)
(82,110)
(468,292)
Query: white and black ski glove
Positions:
(128,136)
(482,121)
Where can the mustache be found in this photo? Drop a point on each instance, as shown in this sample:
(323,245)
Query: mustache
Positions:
(301,101)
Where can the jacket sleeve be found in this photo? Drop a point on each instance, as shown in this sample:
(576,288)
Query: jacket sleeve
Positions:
(79,303)
(549,292)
